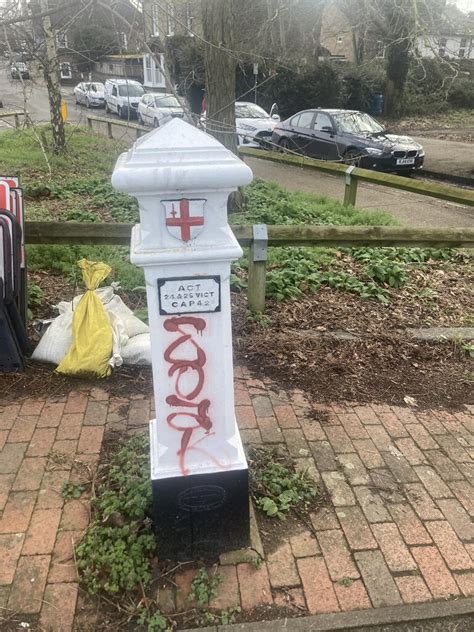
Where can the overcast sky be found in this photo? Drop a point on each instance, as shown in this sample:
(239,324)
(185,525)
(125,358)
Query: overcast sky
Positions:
(464,5)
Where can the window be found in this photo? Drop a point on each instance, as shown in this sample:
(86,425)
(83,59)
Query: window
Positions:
(170,21)
(306,119)
(155,23)
(380,49)
(114,91)
(123,40)
(61,40)
(462,47)
(294,121)
(189,19)
(66,72)
(322,122)
(442,47)
(153,73)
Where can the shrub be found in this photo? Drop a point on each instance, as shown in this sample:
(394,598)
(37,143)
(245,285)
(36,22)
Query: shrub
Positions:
(461,94)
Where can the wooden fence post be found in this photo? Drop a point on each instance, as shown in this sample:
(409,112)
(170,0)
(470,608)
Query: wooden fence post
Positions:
(17,121)
(109,129)
(257,268)
(89,123)
(350,188)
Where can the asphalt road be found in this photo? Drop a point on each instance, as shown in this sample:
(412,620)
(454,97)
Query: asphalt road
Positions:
(410,209)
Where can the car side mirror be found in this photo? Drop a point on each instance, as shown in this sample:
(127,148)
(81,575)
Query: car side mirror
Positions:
(275,117)
(327,129)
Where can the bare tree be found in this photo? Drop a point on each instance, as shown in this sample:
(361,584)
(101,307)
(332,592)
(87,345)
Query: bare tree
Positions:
(220,65)
(53,81)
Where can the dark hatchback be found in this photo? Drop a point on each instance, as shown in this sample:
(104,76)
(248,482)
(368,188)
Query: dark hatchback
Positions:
(348,136)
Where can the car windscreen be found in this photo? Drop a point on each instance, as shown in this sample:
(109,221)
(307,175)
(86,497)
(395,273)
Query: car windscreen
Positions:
(249,110)
(94,87)
(130,90)
(167,102)
(356,123)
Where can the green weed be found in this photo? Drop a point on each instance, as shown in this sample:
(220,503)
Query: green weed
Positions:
(71,490)
(114,555)
(277,487)
(204,587)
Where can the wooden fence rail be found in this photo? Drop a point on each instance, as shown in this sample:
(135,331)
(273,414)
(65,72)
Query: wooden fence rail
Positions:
(16,114)
(356,174)
(79,233)
(139,129)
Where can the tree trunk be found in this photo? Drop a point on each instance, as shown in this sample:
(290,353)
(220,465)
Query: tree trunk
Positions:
(220,67)
(398,62)
(53,83)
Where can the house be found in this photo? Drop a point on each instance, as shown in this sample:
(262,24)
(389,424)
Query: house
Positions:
(452,37)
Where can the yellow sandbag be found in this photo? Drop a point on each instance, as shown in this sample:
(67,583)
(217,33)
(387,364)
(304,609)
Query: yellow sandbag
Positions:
(91,349)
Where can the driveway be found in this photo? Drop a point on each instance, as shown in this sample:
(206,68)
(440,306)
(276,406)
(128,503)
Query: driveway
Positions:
(409,208)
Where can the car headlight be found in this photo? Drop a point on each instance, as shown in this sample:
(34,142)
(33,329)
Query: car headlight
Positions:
(249,128)
(373,151)
(421,153)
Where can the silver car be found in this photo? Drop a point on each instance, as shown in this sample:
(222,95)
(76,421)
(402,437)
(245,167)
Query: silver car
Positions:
(90,94)
(158,109)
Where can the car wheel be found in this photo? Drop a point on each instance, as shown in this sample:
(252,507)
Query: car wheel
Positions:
(352,157)
(156,123)
(285,146)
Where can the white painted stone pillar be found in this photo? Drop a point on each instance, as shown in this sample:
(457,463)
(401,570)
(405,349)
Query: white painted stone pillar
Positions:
(182,179)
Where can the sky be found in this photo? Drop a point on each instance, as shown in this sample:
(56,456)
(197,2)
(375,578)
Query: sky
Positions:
(464,5)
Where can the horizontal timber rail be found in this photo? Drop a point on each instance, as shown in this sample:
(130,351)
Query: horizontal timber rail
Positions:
(83,233)
(16,114)
(139,129)
(79,233)
(355,174)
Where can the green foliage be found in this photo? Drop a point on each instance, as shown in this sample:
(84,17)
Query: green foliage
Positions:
(269,203)
(63,260)
(291,272)
(71,490)
(461,94)
(86,155)
(224,617)
(35,295)
(204,587)
(154,622)
(114,555)
(277,487)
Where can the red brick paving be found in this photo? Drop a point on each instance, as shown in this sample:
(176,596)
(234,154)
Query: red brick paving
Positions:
(397,529)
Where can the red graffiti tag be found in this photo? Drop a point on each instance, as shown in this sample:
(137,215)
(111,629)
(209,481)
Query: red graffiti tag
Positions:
(179,366)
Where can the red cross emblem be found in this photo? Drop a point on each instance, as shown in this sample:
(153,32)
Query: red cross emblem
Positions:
(184,218)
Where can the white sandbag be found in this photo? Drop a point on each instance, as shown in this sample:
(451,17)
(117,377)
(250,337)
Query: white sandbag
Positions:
(56,340)
(137,351)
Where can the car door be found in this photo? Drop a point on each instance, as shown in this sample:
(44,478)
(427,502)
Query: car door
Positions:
(302,131)
(143,108)
(151,111)
(323,144)
(80,93)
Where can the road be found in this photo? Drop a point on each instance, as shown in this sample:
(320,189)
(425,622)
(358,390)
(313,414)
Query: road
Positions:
(410,209)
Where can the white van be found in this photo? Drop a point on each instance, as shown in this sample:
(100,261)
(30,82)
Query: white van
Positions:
(123,96)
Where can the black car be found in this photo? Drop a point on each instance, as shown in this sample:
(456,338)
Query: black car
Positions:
(347,136)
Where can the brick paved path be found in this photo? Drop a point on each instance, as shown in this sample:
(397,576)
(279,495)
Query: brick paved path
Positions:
(398,530)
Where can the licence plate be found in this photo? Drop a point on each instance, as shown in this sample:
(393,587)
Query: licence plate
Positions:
(405,161)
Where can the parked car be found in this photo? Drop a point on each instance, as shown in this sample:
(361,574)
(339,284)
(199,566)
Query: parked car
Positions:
(253,124)
(90,93)
(348,136)
(158,109)
(19,69)
(123,96)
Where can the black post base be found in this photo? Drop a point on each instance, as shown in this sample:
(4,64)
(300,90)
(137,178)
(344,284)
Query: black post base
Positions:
(200,516)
